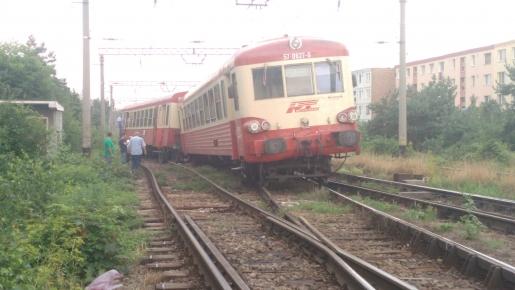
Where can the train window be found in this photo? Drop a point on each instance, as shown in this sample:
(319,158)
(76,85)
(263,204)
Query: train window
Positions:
(206,108)
(224,98)
(268,82)
(299,79)
(136,122)
(147,117)
(329,77)
(211,98)
(218,103)
(167,120)
(152,113)
(234,92)
(197,113)
(201,111)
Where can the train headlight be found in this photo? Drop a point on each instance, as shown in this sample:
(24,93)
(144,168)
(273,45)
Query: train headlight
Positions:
(254,127)
(342,117)
(265,125)
(347,116)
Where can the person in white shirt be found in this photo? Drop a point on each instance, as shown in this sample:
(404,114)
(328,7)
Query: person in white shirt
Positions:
(136,149)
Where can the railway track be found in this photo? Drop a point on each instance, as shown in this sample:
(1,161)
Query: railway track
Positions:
(412,254)
(498,206)
(267,252)
(495,221)
(178,256)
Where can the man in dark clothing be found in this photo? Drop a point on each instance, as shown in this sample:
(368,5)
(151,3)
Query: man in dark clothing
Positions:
(123,148)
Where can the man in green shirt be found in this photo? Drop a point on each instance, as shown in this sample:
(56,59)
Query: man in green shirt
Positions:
(108,148)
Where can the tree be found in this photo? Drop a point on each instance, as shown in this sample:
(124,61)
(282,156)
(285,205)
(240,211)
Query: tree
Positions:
(21,131)
(508,133)
(27,72)
(428,111)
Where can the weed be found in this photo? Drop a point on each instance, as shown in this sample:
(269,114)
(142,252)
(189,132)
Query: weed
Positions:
(377,204)
(445,227)
(161,178)
(419,213)
(319,194)
(471,226)
(493,244)
(324,207)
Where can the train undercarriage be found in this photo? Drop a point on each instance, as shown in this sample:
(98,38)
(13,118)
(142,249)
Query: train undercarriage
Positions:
(318,167)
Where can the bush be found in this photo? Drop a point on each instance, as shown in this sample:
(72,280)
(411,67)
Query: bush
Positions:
(381,145)
(63,221)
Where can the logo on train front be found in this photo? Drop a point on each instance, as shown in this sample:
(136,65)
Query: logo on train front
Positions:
(295,43)
(303,106)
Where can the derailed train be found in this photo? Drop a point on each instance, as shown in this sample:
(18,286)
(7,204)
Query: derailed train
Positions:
(278,109)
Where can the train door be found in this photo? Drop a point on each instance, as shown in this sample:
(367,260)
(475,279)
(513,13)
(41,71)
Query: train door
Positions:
(154,127)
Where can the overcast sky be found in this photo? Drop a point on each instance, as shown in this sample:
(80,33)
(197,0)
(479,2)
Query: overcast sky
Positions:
(433,27)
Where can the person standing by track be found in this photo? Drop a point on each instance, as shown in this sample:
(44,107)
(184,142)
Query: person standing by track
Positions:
(122,143)
(108,148)
(137,149)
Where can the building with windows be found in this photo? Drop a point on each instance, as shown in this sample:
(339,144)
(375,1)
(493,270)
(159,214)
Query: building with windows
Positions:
(372,84)
(475,72)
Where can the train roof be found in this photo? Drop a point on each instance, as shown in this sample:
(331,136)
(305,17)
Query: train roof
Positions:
(175,98)
(276,50)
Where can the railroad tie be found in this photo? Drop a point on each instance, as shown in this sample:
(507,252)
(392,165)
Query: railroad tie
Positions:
(175,286)
(163,266)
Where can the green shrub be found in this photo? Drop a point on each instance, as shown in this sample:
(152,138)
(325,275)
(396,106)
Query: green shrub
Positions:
(63,221)
(381,145)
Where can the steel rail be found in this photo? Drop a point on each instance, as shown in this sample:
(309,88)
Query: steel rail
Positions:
(217,255)
(346,276)
(382,279)
(481,201)
(213,275)
(497,222)
(495,274)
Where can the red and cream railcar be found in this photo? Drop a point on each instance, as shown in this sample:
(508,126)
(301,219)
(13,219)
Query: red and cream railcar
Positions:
(157,122)
(280,108)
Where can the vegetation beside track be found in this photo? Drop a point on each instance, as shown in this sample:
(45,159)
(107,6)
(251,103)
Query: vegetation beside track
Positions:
(64,220)
(481,177)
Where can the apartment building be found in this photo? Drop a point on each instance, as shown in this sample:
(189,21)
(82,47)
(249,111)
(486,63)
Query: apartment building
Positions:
(372,84)
(475,72)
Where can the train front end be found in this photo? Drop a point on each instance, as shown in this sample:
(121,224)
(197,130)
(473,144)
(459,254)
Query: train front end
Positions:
(298,111)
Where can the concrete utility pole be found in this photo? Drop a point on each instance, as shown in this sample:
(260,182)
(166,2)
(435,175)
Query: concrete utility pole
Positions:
(102,100)
(111,112)
(403,138)
(86,106)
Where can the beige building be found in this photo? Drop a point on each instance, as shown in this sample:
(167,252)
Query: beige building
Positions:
(372,84)
(475,72)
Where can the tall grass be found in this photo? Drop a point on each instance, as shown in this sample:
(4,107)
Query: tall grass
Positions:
(482,177)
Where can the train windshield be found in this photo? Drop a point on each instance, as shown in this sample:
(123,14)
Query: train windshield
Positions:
(299,79)
(329,77)
(268,82)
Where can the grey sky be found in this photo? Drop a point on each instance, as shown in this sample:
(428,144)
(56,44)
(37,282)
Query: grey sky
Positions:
(434,27)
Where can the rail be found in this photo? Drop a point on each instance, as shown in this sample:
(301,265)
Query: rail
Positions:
(481,201)
(345,274)
(213,275)
(495,274)
(494,221)
(380,278)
